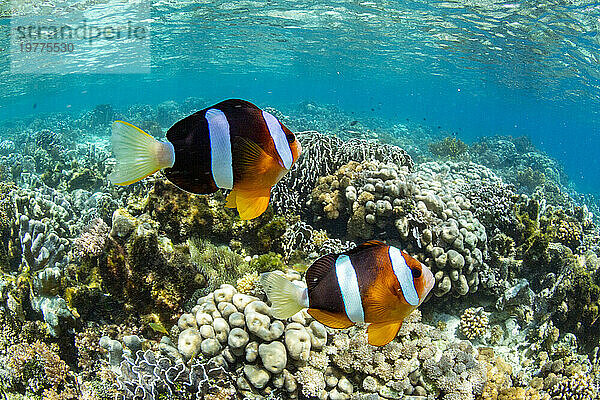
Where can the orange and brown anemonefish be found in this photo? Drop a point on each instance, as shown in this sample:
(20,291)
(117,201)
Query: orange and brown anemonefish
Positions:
(231,145)
(373,283)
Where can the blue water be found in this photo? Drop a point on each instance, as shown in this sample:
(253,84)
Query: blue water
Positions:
(476,68)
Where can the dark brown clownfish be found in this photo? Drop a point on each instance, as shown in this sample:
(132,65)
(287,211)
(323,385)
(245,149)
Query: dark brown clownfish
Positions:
(231,145)
(372,283)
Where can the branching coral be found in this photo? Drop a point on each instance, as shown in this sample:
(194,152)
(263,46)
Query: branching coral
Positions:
(323,155)
(577,387)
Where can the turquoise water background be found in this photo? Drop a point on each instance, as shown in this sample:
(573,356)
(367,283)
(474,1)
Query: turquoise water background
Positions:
(477,68)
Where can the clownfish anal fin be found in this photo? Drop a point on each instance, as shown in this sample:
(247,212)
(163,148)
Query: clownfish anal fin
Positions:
(380,334)
(319,269)
(249,203)
(332,320)
(364,246)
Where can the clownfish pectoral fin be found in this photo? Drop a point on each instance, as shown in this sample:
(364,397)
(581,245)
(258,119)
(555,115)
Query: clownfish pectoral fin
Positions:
(379,301)
(138,154)
(253,162)
(250,203)
(332,320)
(380,334)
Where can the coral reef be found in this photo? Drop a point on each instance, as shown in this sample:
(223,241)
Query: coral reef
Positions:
(92,241)
(236,332)
(144,269)
(424,210)
(146,375)
(323,155)
(147,291)
(36,369)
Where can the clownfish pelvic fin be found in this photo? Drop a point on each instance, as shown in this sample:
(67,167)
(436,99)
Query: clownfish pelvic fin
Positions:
(138,154)
(286,298)
(249,203)
(380,334)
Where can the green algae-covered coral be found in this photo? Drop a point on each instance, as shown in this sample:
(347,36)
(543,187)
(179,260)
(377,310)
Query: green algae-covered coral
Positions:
(270,230)
(182,215)
(532,243)
(580,293)
(147,271)
(450,147)
(219,264)
(10,252)
(564,229)
(530,178)
(38,370)
(85,178)
(267,262)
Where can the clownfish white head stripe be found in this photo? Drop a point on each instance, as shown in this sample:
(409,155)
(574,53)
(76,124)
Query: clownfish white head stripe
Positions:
(348,282)
(220,148)
(279,139)
(404,275)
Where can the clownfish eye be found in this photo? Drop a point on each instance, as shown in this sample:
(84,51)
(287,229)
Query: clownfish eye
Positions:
(416,272)
(290,138)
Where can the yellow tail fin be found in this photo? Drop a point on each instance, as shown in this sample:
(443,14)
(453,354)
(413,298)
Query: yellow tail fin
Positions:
(138,154)
(286,298)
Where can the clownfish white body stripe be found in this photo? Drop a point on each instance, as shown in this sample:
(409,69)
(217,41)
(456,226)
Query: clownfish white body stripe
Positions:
(348,281)
(221,164)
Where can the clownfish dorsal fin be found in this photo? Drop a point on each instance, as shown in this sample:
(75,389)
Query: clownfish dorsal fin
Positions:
(332,320)
(364,246)
(319,269)
(380,334)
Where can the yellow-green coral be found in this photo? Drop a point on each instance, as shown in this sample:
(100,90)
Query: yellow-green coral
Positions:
(579,386)
(499,385)
(450,147)
(267,262)
(530,178)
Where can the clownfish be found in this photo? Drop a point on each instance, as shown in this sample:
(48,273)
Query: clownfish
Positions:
(373,283)
(231,145)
